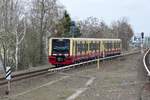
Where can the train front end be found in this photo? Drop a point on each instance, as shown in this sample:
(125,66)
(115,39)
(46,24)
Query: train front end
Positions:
(59,52)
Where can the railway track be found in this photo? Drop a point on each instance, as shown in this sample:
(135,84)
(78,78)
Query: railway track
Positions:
(144,92)
(146,62)
(26,75)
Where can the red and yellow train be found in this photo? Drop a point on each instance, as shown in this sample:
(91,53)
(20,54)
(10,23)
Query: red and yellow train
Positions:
(66,51)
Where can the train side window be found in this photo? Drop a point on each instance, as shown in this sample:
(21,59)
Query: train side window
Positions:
(76,48)
(79,47)
(86,46)
(83,46)
(91,47)
(105,45)
(115,45)
(108,45)
(99,45)
(111,45)
(119,44)
(94,46)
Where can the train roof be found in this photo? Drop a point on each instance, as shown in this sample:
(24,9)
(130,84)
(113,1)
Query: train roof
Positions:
(105,39)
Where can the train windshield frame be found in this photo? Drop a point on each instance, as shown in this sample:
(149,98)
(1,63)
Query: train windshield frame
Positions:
(60,46)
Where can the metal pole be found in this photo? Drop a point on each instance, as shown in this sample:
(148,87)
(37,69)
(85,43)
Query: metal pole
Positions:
(142,51)
(149,59)
(8,89)
(98,64)
(9,86)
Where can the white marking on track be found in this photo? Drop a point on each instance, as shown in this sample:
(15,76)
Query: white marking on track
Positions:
(76,94)
(81,90)
(90,81)
(74,75)
(50,83)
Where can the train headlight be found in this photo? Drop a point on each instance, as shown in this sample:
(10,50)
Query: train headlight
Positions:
(66,55)
(54,54)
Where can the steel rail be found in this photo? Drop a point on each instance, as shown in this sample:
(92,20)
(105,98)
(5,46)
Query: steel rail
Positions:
(24,75)
(145,63)
(30,74)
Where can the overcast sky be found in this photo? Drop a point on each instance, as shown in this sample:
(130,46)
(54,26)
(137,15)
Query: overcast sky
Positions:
(136,11)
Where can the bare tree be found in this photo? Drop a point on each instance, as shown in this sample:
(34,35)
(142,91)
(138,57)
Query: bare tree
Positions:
(44,15)
(5,36)
(20,34)
(123,30)
(6,45)
(11,18)
(93,28)
(21,23)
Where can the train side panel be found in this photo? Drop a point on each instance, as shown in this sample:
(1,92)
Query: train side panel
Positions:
(81,49)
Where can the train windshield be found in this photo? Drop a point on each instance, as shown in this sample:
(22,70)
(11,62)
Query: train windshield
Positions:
(60,46)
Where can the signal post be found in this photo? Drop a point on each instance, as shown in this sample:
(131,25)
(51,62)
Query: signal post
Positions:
(142,43)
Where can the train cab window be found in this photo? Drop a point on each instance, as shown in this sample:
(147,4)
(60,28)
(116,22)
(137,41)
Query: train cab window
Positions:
(60,46)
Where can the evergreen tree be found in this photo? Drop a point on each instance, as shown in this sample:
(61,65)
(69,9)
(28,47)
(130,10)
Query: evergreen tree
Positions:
(64,27)
(66,23)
